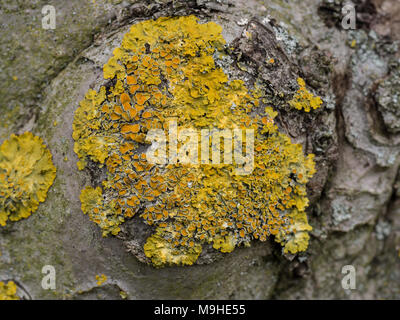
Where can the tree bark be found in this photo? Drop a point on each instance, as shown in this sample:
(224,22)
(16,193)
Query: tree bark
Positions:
(354,196)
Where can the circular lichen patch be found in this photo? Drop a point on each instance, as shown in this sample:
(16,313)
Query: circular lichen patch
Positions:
(166,76)
(26,174)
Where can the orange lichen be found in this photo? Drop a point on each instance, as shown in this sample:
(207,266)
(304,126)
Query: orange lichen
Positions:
(165,71)
(304,99)
(101,279)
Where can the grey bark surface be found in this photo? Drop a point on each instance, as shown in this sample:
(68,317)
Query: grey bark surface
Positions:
(354,196)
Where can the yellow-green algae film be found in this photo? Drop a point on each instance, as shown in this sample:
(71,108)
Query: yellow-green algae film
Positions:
(8,291)
(26,174)
(165,69)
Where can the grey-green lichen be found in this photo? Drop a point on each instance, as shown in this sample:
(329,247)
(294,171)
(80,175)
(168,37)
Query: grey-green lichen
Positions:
(388,99)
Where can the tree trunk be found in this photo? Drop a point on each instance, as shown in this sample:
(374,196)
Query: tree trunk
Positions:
(354,195)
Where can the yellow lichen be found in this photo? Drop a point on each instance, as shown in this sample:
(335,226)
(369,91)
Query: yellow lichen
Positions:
(8,291)
(123,294)
(101,279)
(100,212)
(26,174)
(162,252)
(304,99)
(163,73)
(224,244)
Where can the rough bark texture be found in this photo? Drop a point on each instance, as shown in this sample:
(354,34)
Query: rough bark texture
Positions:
(355,194)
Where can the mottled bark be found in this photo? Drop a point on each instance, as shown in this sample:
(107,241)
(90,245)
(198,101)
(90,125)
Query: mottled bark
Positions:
(354,196)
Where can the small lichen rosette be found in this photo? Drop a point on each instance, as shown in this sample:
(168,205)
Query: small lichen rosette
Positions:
(305,100)
(8,291)
(167,70)
(26,174)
